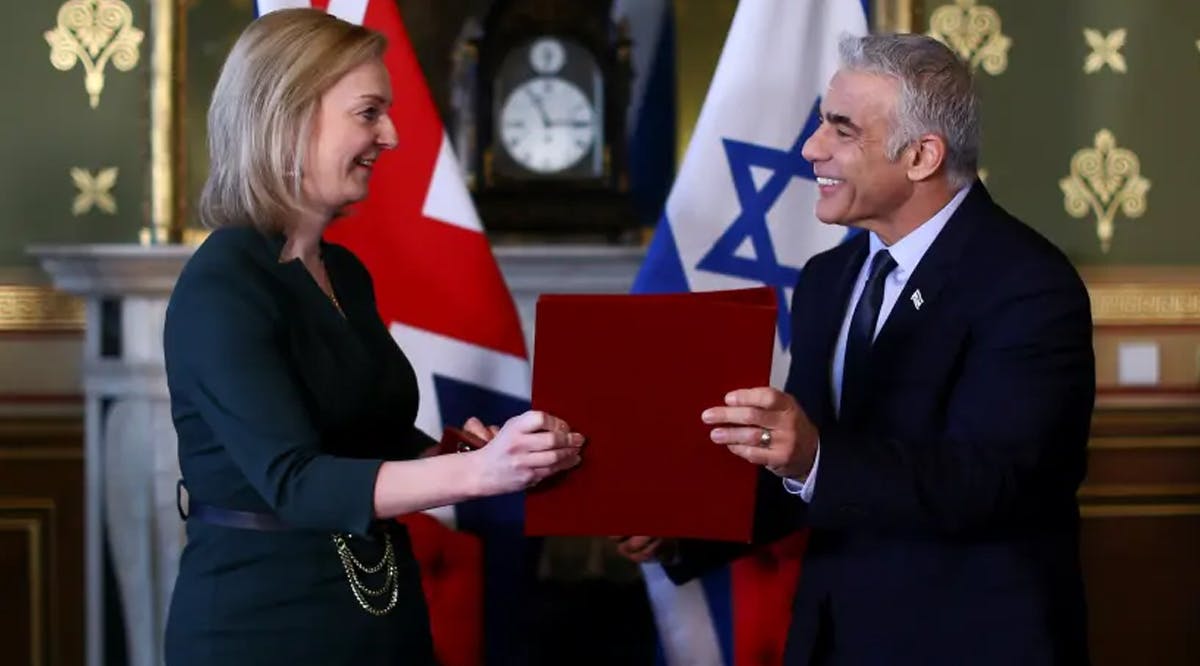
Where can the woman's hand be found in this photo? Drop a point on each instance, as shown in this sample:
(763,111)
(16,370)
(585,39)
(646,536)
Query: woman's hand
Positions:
(529,448)
(475,427)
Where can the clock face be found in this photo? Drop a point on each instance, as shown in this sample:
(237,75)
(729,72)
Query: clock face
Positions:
(547,124)
(547,55)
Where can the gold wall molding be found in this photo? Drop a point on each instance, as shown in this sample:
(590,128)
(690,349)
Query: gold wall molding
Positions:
(1144,443)
(30,308)
(1139,510)
(1153,500)
(1106,50)
(1145,295)
(974,32)
(95,190)
(1145,304)
(194,236)
(1147,490)
(1104,179)
(896,15)
(94,32)
(33,534)
(38,433)
(1153,422)
(168,147)
(59,453)
(35,518)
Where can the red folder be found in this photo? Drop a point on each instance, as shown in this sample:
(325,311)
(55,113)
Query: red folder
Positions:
(633,373)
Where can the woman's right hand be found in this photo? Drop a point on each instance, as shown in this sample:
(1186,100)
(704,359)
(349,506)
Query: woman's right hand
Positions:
(527,449)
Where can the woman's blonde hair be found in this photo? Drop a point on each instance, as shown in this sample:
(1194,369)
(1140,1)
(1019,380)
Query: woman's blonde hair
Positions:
(262,111)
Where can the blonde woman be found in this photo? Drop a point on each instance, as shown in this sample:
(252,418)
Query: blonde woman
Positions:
(293,405)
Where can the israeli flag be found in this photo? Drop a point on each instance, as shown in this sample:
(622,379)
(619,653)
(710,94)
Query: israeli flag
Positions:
(741,214)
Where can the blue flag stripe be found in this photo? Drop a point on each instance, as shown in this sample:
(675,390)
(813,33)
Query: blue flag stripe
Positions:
(509,559)
(661,271)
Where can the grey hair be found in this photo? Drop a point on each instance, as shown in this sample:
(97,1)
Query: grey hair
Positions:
(937,95)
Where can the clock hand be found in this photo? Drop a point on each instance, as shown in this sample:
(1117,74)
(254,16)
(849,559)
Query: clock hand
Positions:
(541,109)
(572,123)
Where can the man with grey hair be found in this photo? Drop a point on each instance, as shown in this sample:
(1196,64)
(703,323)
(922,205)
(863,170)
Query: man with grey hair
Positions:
(934,425)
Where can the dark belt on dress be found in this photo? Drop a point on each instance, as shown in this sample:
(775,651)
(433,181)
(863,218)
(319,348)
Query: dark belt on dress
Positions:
(215,515)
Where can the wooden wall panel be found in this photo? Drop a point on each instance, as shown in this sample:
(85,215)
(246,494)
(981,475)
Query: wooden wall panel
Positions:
(1141,534)
(20,548)
(41,541)
(1143,587)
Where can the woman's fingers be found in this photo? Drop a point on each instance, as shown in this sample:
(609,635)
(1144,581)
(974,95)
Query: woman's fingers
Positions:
(535,420)
(533,446)
(475,427)
(546,441)
(551,459)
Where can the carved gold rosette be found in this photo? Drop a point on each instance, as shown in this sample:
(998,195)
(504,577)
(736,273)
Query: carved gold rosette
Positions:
(1103,180)
(973,31)
(95,190)
(94,32)
(1105,50)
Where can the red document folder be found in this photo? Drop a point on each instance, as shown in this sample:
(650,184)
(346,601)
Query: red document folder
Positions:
(633,373)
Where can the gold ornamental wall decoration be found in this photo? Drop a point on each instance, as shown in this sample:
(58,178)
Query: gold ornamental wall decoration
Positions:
(95,190)
(1106,50)
(1103,180)
(94,32)
(36,308)
(973,31)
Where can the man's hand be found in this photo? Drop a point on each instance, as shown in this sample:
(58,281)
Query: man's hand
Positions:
(643,549)
(766,427)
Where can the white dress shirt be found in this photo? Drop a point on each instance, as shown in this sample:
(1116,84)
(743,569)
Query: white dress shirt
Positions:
(907,252)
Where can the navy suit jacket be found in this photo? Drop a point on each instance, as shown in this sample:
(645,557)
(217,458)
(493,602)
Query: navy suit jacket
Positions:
(944,519)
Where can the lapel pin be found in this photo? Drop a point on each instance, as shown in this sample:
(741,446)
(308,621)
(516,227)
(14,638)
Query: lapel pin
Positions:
(916,299)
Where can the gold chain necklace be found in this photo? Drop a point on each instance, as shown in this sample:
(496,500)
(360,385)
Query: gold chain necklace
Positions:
(328,294)
(331,294)
(361,592)
(336,303)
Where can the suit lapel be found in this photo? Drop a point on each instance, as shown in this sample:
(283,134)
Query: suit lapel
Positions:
(921,292)
(831,316)
(837,306)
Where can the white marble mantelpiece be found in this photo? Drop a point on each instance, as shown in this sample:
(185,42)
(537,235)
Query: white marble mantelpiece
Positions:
(130,460)
(112,270)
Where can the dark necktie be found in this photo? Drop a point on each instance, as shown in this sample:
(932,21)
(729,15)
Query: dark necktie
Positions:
(856,370)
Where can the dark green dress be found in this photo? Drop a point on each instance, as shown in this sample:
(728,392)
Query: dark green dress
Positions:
(282,405)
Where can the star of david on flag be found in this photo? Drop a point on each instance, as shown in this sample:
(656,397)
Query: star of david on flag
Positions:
(741,211)
(761,263)
(741,214)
